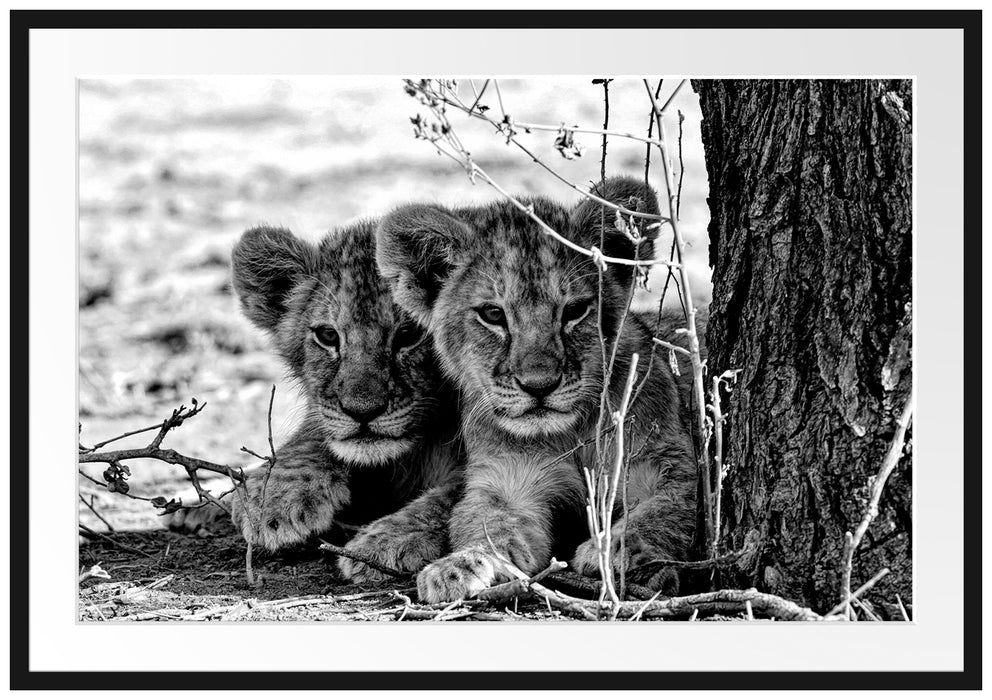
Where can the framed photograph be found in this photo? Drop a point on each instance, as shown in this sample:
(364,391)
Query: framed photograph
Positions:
(563,349)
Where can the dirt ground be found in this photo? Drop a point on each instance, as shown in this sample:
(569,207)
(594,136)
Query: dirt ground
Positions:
(170,173)
(168,576)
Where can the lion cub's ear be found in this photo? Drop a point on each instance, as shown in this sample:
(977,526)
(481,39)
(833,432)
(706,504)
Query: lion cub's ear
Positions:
(267,263)
(415,249)
(587,219)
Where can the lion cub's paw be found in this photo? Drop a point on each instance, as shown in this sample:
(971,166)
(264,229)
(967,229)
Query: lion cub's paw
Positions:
(456,576)
(638,552)
(282,519)
(395,544)
(193,520)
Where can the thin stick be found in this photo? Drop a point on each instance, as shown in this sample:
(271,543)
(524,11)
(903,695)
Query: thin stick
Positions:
(637,616)
(93,533)
(669,346)
(364,559)
(94,512)
(902,609)
(697,366)
(724,561)
(595,253)
(270,461)
(717,412)
(877,485)
(249,569)
(478,97)
(716,602)
(504,592)
(97,446)
(530,126)
(671,98)
(845,604)
(678,197)
(605,551)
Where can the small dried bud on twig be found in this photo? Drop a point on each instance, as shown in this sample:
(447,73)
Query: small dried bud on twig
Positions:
(567,145)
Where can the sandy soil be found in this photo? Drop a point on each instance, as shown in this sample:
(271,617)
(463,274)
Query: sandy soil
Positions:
(171,172)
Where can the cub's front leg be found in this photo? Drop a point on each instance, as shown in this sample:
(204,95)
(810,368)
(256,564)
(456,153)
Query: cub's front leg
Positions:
(408,540)
(303,493)
(658,526)
(505,516)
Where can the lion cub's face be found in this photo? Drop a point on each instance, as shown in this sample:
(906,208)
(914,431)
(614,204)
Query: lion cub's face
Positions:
(367,369)
(514,314)
(516,325)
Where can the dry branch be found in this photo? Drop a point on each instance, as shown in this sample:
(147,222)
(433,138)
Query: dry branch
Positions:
(116,475)
(845,604)
(877,486)
(505,592)
(364,559)
(693,336)
(89,532)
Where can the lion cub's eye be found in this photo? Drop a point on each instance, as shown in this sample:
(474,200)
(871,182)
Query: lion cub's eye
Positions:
(407,335)
(575,310)
(492,314)
(326,337)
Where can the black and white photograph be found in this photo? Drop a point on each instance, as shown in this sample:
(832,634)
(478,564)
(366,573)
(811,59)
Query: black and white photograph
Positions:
(496,350)
(519,349)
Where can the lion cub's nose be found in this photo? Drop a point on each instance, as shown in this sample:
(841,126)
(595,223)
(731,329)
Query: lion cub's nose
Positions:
(362,410)
(539,385)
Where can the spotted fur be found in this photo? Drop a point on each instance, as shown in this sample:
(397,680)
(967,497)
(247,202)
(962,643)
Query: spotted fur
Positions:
(379,443)
(531,378)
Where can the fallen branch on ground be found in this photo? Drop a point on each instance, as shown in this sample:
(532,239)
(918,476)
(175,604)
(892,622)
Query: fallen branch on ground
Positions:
(724,602)
(504,592)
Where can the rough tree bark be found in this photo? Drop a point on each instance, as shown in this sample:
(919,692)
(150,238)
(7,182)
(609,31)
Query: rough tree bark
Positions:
(811,248)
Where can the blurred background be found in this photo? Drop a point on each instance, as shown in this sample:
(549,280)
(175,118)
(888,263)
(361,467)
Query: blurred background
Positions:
(171,171)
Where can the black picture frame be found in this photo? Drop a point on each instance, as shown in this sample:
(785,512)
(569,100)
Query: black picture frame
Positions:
(22,22)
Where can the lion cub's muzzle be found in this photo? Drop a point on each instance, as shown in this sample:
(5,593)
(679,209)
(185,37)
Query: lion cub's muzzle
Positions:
(539,385)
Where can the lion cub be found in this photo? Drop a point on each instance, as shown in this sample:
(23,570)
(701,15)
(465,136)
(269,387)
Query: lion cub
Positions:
(515,321)
(379,442)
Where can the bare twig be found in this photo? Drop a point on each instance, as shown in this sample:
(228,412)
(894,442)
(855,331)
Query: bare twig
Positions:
(693,336)
(153,449)
(169,456)
(508,128)
(592,587)
(256,521)
(604,537)
(432,97)
(270,461)
(877,486)
(97,446)
(669,346)
(364,559)
(732,560)
(94,511)
(89,532)
(717,602)
(678,196)
(902,609)
(845,605)
(504,592)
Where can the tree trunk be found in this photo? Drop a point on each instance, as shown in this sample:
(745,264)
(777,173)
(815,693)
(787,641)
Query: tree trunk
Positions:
(810,242)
